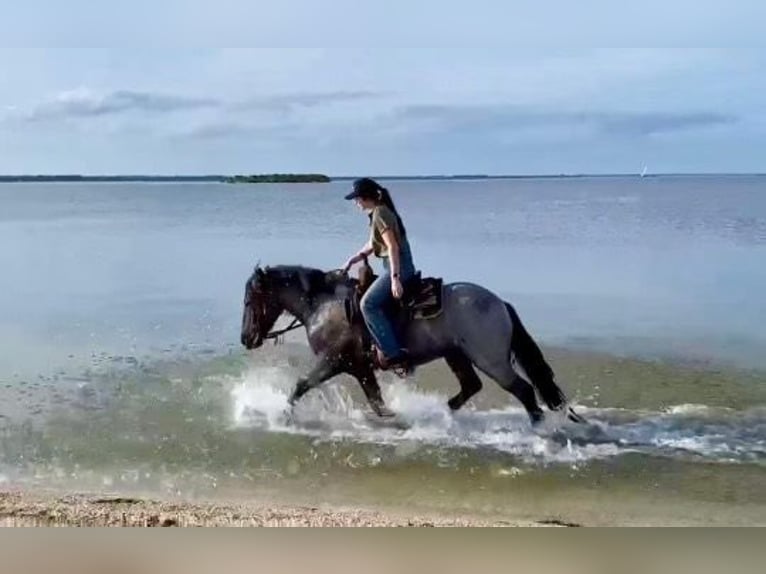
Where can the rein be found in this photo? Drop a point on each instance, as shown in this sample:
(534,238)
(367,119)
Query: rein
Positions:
(296,324)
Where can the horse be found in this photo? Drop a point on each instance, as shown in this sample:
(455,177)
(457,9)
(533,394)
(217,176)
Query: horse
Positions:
(475,329)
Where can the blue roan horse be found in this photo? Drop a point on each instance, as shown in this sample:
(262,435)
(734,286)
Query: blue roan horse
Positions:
(471,329)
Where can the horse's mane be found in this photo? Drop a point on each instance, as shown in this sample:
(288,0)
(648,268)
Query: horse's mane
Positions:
(312,281)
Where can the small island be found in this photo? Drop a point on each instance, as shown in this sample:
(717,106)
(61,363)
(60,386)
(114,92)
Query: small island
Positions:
(279,178)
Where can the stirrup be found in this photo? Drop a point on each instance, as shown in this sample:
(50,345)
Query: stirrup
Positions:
(401,368)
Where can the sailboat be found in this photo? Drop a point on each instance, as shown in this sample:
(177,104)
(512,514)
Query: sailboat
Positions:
(643,171)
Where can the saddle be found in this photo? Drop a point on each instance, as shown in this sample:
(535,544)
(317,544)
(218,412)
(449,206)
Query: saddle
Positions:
(422,299)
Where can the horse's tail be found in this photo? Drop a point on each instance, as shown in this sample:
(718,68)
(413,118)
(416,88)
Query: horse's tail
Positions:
(531,359)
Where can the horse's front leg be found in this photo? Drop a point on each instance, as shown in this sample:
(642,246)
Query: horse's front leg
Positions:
(366,376)
(325,369)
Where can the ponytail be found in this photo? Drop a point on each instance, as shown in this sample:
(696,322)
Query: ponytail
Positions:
(385,198)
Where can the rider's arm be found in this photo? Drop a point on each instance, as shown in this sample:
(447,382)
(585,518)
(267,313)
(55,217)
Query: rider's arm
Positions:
(393,251)
(365,251)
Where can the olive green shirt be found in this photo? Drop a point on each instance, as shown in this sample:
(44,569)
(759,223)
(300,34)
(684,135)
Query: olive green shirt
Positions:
(383,219)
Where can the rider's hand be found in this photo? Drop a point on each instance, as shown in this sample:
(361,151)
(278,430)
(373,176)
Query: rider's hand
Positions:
(396,288)
(348,265)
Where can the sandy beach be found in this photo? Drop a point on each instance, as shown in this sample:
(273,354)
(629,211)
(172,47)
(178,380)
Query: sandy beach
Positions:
(19,508)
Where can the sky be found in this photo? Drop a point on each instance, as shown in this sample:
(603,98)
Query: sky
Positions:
(386,88)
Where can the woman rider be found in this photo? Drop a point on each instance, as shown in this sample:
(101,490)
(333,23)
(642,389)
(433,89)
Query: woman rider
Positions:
(388,241)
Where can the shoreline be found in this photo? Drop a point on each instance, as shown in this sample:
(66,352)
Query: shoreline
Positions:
(22,508)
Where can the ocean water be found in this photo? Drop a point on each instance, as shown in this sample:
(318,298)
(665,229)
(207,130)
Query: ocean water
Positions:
(120,307)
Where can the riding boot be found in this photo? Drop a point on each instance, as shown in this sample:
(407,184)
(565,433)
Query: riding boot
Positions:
(400,364)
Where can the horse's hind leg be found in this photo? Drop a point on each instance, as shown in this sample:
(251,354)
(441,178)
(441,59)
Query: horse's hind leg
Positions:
(537,369)
(504,375)
(525,392)
(470,383)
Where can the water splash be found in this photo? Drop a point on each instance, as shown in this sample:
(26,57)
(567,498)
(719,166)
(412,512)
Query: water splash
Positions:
(424,420)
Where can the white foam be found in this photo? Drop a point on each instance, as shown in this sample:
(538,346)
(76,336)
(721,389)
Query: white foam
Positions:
(261,395)
(329,413)
(690,409)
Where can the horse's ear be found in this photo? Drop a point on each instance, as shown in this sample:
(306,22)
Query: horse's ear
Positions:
(261,277)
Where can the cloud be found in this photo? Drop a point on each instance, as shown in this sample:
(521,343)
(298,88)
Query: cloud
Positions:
(216,130)
(287,102)
(434,120)
(650,123)
(86,104)
(448,118)
(227,129)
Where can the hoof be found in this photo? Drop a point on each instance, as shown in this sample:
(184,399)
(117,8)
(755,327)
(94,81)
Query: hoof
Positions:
(288,416)
(574,417)
(384,412)
(455,403)
(536,418)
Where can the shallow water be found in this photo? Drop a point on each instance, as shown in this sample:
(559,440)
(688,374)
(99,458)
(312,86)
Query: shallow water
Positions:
(120,367)
(219,428)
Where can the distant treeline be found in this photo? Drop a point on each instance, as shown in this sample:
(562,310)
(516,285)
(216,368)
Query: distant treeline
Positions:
(110,178)
(267,178)
(280,178)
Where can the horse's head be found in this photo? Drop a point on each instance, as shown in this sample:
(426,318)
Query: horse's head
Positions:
(261,310)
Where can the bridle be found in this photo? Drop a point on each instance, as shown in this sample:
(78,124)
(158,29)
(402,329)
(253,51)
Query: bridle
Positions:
(259,310)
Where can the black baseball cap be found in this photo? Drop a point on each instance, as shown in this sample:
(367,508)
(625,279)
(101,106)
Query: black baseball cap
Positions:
(364,187)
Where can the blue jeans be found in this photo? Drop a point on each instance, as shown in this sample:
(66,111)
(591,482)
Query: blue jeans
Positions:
(377,296)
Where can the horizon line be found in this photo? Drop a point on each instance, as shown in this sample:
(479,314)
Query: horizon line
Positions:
(380,176)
